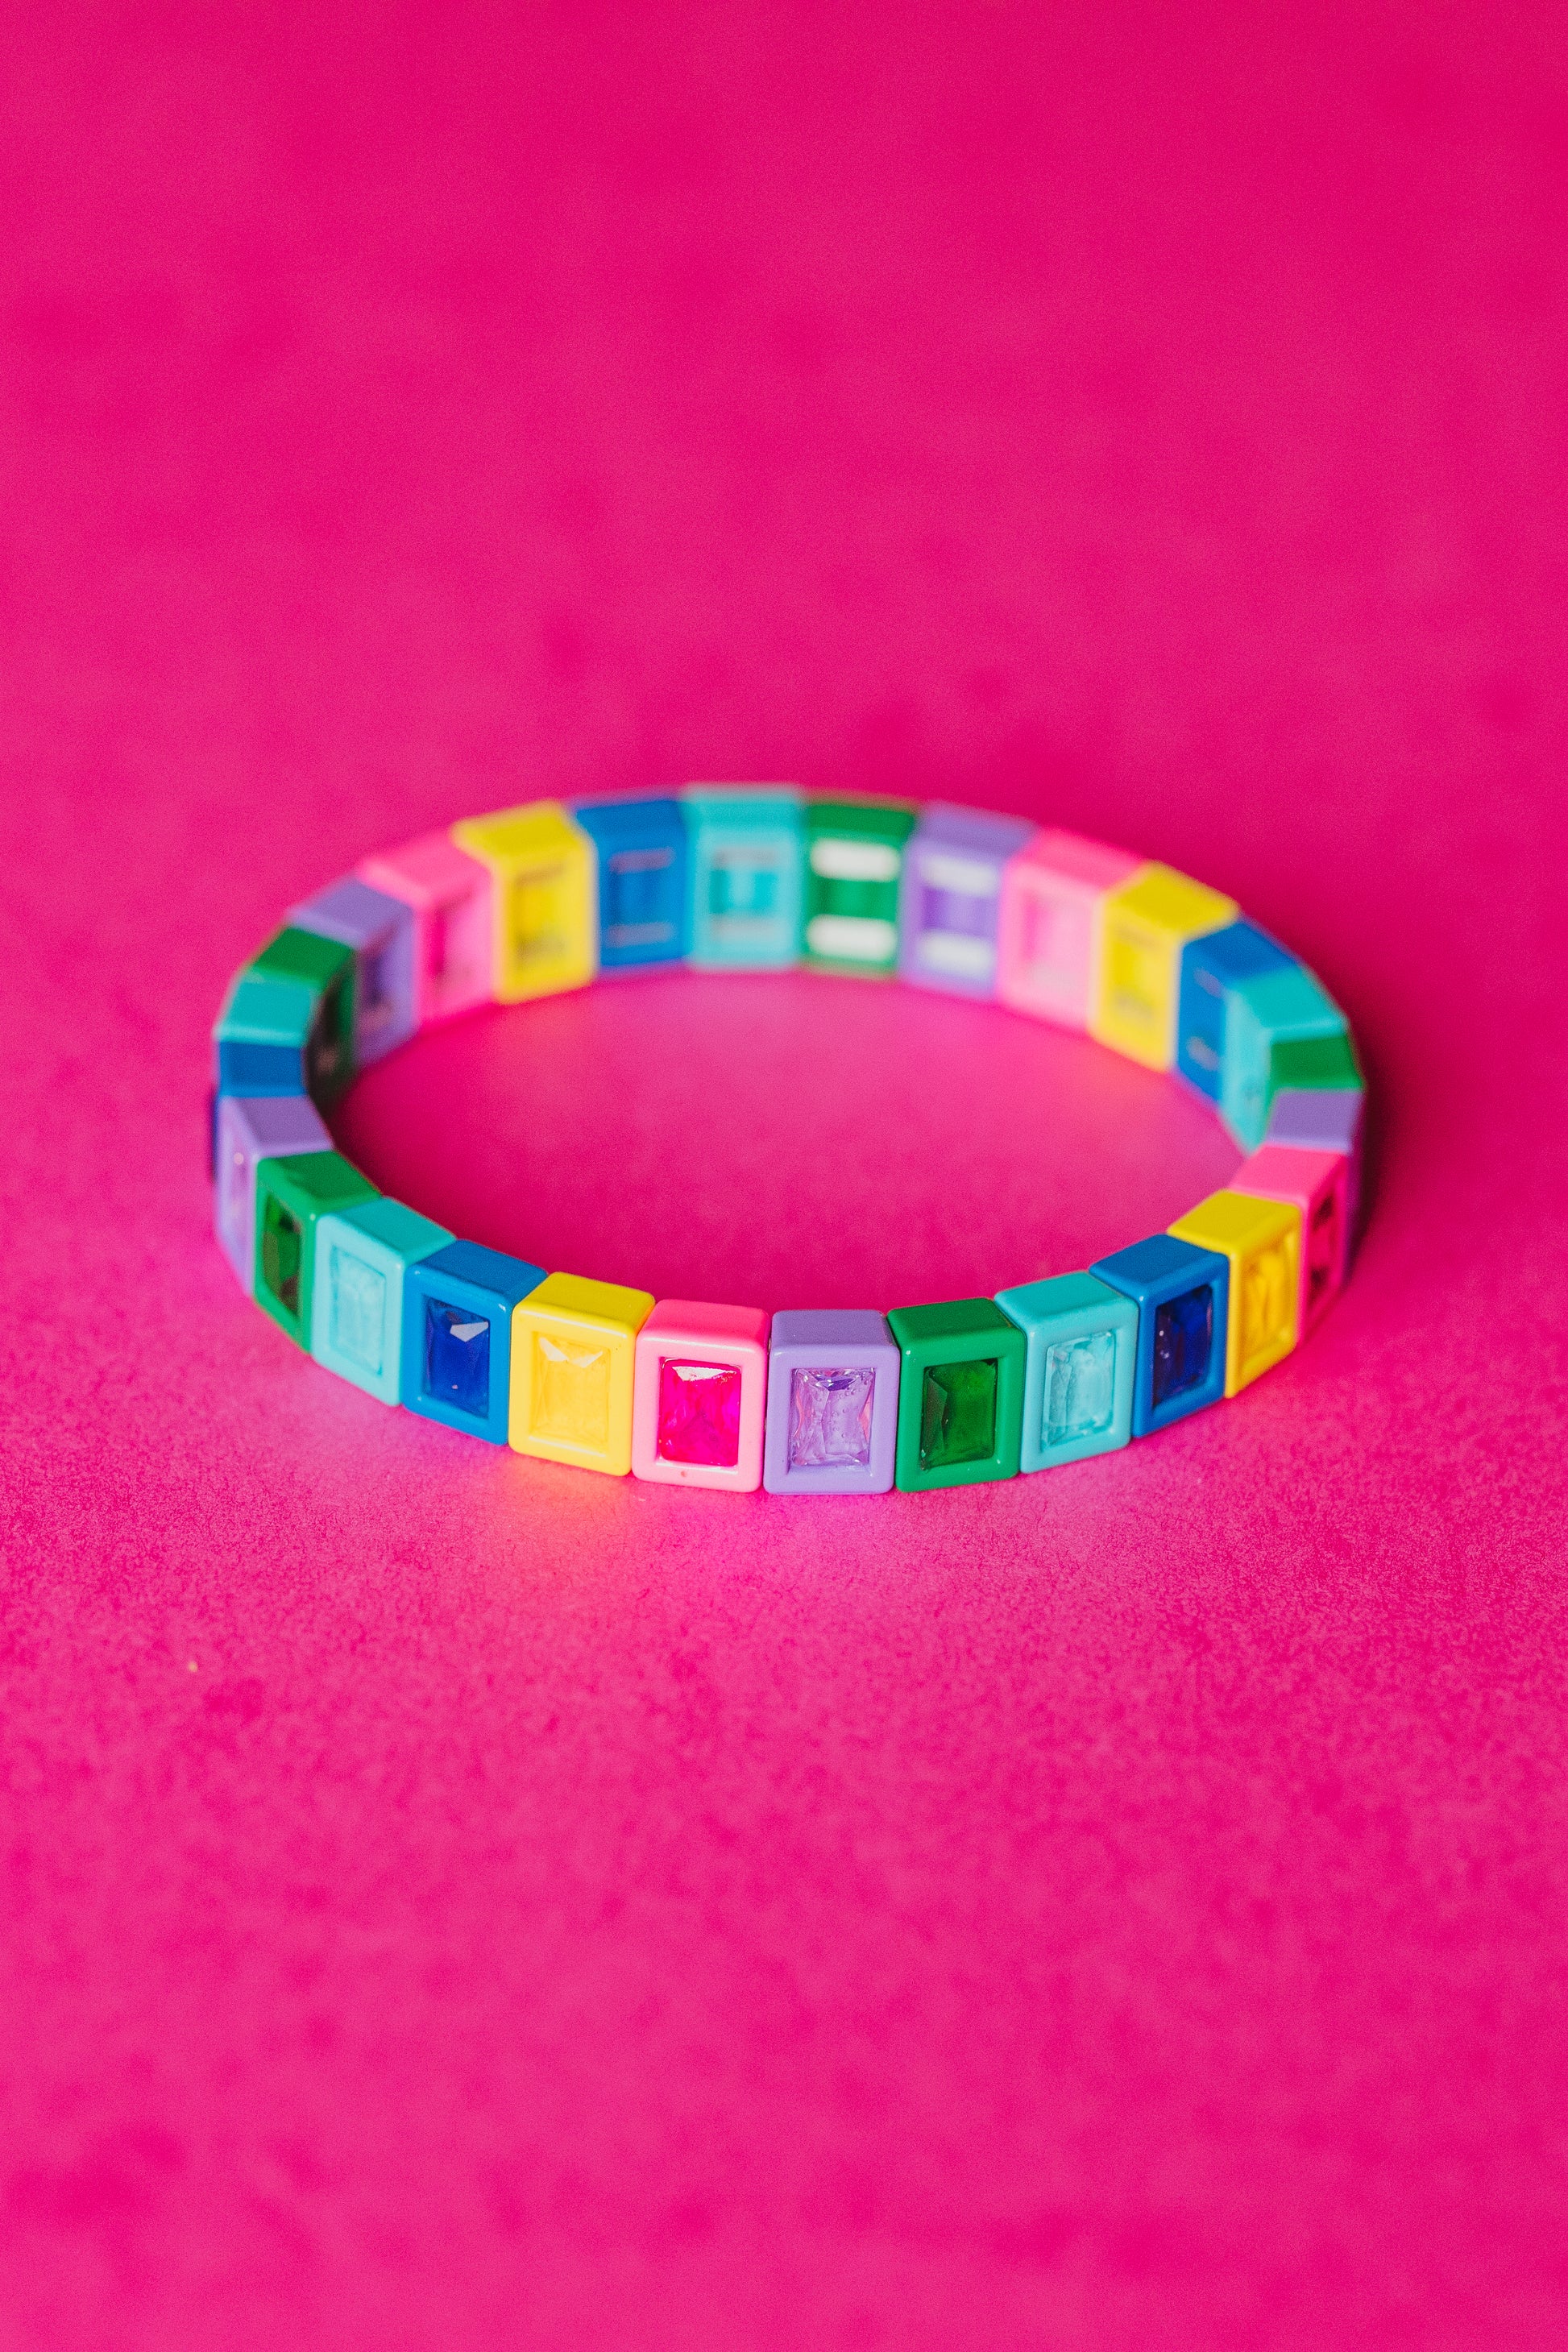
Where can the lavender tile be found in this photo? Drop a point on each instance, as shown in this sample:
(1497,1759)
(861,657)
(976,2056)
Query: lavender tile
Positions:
(949,900)
(250,1129)
(833,1403)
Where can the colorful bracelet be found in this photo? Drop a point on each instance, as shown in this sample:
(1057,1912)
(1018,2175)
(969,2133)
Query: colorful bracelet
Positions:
(550,897)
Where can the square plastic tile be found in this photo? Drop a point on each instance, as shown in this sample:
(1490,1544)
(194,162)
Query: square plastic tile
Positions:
(573,1344)
(379,928)
(1318,1184)
(363,1257)
(745,876)
(1182,1293)
(451,897)
(1082,1338)
(544,938)
(700,1401)
(833,1403)
(960,1394)
(1261,1241)
(854,860)
(640,852)
(271,1126)
(457,1337)
(950,894)
(1053,896)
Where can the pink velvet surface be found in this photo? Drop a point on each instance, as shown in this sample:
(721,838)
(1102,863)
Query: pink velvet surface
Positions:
(450,1901)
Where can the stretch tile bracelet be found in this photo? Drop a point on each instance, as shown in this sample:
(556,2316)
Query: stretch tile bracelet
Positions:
(551,895)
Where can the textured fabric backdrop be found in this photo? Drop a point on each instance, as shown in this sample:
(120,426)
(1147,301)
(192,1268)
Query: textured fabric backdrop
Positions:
(450,1902)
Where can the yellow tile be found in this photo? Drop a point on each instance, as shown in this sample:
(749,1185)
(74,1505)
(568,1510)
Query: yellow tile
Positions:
(1142,930)
(571,1362)
(545,930)
(1262,1240)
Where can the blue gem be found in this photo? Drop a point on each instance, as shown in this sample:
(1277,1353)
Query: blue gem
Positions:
(1183,1338)
(637,893)
(457,1357)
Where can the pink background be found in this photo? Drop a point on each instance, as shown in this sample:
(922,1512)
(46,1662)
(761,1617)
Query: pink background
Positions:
(450,1902)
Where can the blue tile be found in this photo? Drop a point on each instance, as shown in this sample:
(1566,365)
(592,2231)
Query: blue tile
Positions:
(640,847)
(245,1068)
(452,1371)
(1174,1286)
(262,1039)
(1211,967)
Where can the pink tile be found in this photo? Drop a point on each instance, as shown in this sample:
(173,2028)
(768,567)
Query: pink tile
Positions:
(1319,1184)
(452,896)
(699,1395)
(1052,892)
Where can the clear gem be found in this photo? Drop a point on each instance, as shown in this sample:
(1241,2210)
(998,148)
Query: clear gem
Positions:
(359,1310)
(740,884)
(956,910)
(1081,1389)
(830,1416)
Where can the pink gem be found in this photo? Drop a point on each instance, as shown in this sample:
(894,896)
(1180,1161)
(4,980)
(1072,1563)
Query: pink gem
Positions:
(699,1413)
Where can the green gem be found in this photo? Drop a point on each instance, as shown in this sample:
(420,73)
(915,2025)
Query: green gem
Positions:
(958,1413)
(282,1252)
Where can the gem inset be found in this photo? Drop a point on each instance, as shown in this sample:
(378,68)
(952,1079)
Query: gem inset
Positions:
(742,885)
(571,1393)
(958,1413)
(1183,1339)
(282,1256)
(1081,1389)
(359,1309)
(830,1416)
(1265,1301)
(456,1356)
(699,1413)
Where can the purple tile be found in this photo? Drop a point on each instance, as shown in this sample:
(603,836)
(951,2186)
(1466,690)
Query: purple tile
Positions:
(380,929)
(1317,1118)
(250,1129)
(951,896)
(833,1403)
(1324,1118)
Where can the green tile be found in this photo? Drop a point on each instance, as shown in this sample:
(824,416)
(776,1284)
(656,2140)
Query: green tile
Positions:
(960,1394)
(292,1195)
(854,864)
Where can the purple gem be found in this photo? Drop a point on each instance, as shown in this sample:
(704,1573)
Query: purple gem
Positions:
(830,1416)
